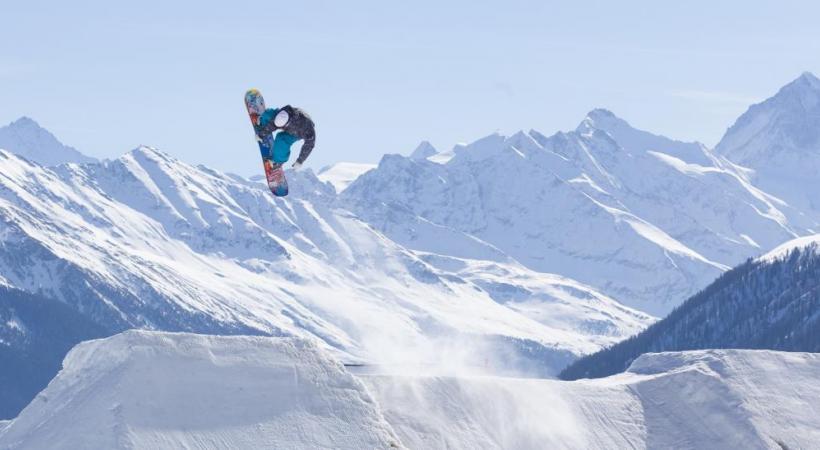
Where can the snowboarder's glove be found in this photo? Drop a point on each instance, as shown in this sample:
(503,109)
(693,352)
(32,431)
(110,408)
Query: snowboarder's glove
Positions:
(297,165)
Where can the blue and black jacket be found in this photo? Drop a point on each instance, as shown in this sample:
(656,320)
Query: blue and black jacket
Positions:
(298,125)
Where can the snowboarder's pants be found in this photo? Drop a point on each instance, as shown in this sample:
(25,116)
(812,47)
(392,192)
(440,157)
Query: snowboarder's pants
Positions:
(281,146)
(279,149)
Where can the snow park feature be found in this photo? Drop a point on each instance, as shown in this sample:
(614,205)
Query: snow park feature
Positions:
(145,389)
(155,390)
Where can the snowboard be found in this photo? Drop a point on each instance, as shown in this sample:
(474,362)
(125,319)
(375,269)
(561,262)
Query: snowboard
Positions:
(274,173)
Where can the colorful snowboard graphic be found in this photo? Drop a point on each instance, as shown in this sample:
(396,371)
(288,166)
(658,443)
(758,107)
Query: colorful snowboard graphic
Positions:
(274,173)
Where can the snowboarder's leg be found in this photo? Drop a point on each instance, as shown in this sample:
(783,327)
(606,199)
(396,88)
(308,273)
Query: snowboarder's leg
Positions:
(281,146)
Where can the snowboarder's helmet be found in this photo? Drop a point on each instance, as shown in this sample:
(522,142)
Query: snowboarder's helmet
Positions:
(281,119)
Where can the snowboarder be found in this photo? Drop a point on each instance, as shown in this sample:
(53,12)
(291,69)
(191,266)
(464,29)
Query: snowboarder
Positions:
(289,125)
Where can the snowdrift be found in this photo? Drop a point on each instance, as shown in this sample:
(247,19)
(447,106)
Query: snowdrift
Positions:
(162,390)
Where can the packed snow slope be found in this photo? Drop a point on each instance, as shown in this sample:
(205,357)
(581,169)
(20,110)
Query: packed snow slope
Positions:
(716,399)
(156,390)
(772,302)
(148,241)
(645,219)
(160,390)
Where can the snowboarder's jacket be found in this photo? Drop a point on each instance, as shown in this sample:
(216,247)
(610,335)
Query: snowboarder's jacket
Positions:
(293,124)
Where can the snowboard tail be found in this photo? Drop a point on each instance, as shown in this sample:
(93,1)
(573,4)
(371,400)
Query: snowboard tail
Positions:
(274,173)
(275,176)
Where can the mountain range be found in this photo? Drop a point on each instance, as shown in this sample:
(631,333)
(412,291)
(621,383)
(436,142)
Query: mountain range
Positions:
(645,219)
(513,254)
(148,241)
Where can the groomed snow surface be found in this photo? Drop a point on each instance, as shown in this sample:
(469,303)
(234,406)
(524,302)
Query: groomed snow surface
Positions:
(162,390)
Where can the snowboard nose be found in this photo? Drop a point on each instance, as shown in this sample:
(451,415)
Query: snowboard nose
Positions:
(254,101)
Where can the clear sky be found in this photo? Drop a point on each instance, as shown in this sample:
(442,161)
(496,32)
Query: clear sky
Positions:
(379,76)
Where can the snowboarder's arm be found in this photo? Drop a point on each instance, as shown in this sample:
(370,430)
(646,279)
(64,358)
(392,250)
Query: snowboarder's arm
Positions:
(266,123)
(307,146)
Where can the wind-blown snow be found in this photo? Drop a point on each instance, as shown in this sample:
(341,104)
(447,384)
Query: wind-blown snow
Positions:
(163,390)
(702,399)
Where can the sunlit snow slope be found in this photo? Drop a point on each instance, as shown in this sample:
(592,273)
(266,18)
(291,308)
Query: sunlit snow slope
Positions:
(152,390)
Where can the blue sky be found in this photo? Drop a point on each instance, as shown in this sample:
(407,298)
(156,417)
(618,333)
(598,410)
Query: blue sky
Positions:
(379,76)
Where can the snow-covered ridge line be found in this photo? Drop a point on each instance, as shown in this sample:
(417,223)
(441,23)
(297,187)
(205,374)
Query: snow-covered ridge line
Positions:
(646,219)
(806,242)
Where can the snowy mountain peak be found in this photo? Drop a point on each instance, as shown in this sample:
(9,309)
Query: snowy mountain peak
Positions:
(152,153)
(601,114)
(799,96)
(481,149)
(600,119)
(779,139)
(806,80)
(424,150)
(25,122)
(27,138)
